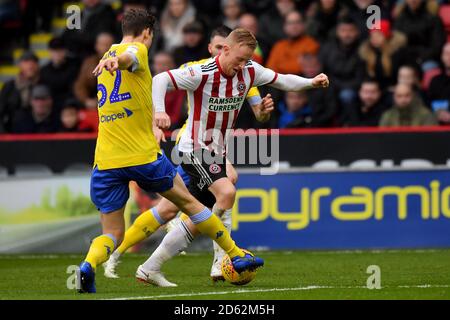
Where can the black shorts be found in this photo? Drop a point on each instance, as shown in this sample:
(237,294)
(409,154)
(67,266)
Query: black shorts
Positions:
(203,168)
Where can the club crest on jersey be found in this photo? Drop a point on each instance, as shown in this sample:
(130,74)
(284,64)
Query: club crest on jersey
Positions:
(214,168)
(241,87)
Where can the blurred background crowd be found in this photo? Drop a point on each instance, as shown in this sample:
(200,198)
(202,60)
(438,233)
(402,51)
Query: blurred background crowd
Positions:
(396,74)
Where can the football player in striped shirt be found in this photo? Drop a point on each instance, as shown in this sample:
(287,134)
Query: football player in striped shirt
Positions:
(216,90)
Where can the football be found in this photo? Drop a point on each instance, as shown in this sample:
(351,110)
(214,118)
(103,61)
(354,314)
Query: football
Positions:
(232,276)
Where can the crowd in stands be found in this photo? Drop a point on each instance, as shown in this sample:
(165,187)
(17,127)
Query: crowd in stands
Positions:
(393,73)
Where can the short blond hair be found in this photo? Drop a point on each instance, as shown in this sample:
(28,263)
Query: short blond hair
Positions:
(243,37)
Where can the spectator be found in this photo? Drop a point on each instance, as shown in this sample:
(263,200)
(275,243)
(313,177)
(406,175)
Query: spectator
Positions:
(194,47)
(439,91)
(232,10)
(406,111)
(59,74)
(85,86)
(367,111)
(250,22)
(411,76)
(360,15)
(324,18)
(272,21)
(425,33)
(305,109)
(69,119)
(40,118)
(174,100)
(294,108)
(258,7)
(285,55)
(16,93)
(382,53)
(97,17)
(341,62)
(175,16)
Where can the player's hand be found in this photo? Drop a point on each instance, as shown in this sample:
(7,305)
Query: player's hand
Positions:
(267,105)
(159,135)
(110,64)
(321,81)
(162,120)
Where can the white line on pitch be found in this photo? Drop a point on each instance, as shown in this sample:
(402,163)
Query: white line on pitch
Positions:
(193,294)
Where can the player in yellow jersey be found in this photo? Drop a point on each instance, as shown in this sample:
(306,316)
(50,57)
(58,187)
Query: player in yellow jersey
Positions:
(182,237)
(127,150)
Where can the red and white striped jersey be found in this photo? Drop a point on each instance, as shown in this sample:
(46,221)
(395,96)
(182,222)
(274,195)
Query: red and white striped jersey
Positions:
(216,100)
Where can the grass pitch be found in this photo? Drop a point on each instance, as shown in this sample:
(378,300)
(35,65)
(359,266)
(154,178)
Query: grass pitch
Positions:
(405,274)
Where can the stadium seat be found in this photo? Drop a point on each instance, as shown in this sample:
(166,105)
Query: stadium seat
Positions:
(58,25)
(32,171)
(7,73)
(39,41)
(42,54)
(88,120)
(78,169)
(73,3)
(3,173)
(428,76)
(326,164)
(363,164)
(444,13)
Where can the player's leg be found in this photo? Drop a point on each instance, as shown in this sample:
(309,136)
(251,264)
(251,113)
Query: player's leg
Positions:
(144,225)
(210,225)
(166,210)
(175,241)
(109,192)
(216,270)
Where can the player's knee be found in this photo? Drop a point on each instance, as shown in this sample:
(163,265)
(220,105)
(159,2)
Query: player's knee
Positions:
(225,198)
(166,211)
(118,235)
(233,176)
(168,215)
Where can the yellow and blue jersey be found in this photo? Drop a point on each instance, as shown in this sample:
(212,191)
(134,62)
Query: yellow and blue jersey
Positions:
(125,135)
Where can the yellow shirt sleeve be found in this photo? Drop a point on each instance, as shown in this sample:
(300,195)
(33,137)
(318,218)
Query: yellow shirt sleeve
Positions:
(253,92)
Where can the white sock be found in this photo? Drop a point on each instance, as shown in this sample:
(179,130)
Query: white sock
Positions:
(177,240)
(226,220)
(115,255)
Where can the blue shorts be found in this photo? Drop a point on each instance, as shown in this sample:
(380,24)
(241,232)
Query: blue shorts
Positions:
(183,174)
(110,188)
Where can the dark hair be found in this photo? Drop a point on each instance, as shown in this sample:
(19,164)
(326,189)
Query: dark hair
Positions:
(347,20)
(137,20)
(416,68)
(221,31)
(371,81)
(56,43)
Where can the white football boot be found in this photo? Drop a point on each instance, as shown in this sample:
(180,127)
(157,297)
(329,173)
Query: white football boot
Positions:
(155,278)
(110,267)
(216,268)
